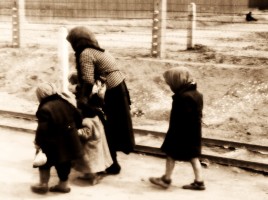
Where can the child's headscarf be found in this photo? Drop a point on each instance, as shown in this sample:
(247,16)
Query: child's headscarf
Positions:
(81,37)
(178,77)
(45,89)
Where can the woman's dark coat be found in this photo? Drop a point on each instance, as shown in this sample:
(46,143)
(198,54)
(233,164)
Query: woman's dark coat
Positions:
(56,133)
(183,139)
(118,126)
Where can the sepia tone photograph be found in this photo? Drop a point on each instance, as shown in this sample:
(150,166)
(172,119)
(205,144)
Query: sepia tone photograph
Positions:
(134,99)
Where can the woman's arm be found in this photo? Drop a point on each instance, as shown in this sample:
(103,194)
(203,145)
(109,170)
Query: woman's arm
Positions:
(87,67)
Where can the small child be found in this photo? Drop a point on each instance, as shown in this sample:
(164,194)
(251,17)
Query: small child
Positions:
(56,135)
(88,95)
(96,151)
(97,157)
(183,138)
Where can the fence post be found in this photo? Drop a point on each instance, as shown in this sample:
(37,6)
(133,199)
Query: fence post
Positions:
(22,11)
(63,56)
(159,28)
(191,26)
(15,25)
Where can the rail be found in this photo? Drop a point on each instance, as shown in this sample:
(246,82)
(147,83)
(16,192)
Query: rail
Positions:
(155,151)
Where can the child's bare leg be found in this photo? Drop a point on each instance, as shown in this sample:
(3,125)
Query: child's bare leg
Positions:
(165,180)
(197,169)
(198,183)
(170,164)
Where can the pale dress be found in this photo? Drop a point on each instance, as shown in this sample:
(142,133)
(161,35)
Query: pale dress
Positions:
(96,151)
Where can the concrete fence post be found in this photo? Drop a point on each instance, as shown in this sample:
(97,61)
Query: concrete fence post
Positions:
(159,28)
(63,56)
(15,24)
(191,26)
(22,11)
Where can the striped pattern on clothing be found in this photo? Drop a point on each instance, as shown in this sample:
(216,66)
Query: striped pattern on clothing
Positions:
(95,63)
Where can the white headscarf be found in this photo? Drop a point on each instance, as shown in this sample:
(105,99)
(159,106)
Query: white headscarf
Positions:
(45,89)
(177,77)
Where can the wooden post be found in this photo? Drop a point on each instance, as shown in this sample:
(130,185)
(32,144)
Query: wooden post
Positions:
(63,56)
(159,28)
(15,25)
(191,26)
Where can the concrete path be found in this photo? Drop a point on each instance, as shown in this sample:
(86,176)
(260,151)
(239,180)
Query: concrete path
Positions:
(223,183)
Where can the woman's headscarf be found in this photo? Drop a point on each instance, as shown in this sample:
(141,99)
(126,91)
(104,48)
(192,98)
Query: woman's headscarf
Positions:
(45,89)
(177,78)
(81,37)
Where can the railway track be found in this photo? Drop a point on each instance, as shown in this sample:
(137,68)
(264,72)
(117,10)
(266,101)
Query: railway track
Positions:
(247,156)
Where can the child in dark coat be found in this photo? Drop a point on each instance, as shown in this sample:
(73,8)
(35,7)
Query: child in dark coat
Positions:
(57,136)
(183,139)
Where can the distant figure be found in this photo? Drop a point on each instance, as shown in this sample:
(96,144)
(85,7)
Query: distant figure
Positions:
(183,138)
(249,17)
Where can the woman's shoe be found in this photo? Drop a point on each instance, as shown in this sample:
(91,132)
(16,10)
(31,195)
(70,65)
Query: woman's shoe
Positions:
(113,169)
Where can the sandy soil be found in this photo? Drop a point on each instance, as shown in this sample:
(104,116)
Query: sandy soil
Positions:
(235,96)
(229,66)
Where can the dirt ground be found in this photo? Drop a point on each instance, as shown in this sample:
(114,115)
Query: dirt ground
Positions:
(232,76)
(229,66)
(222,182)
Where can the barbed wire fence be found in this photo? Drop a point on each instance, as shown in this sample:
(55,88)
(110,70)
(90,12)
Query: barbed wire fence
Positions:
(141,28)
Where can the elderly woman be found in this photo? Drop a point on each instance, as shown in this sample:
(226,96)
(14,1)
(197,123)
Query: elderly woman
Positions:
(57,136)
(93,64)
(183,138)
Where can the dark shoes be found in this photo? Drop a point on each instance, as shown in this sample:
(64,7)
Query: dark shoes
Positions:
(59,189)
(39,188)
(113,169)
(195,186)
(42,189)
(161,181)
(165,183)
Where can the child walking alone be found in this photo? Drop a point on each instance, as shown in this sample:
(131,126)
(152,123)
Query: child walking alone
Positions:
(183,138)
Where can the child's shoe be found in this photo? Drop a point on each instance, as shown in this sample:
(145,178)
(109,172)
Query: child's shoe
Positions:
(42,186)
(162,181)
(61,187)
(39,188)
(92,178)
(95,180)
(196,185)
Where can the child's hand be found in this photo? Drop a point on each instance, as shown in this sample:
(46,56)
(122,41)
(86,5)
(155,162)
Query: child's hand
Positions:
(37,147)
(79,132)
(72,88)
(102,90)
(95,89)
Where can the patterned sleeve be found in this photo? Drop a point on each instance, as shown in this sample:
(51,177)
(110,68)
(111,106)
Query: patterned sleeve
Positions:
(87,67)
